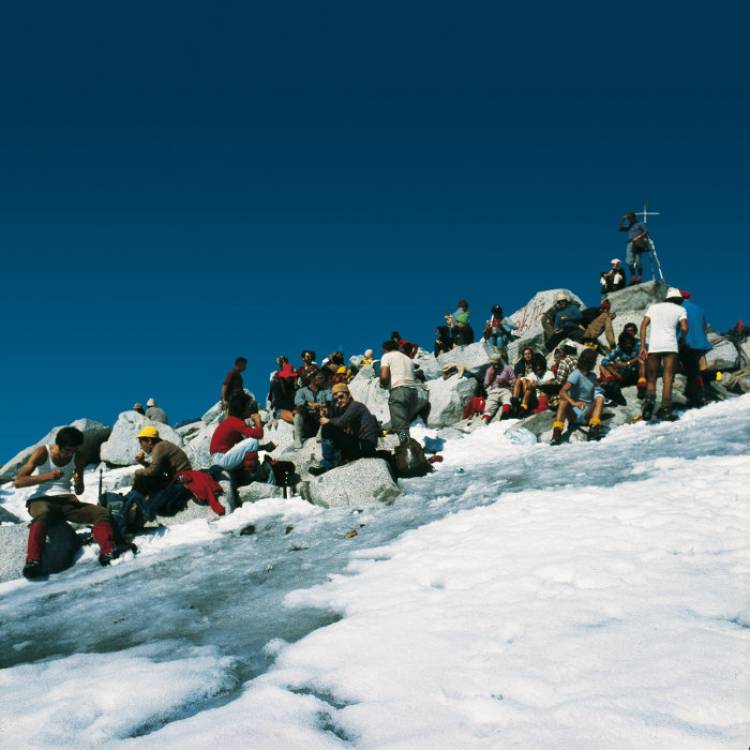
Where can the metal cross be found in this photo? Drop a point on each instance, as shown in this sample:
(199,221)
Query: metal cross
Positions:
(646,213)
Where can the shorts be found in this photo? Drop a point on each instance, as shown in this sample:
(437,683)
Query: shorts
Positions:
(581,413)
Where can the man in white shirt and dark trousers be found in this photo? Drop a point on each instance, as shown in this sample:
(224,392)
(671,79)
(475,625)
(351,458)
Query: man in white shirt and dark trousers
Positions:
(397,373)
(663,318)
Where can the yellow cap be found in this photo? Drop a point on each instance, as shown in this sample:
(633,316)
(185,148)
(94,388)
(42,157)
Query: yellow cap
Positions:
(147,431)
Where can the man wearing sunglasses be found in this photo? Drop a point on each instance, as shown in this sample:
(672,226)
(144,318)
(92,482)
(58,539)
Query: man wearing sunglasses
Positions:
(352,431)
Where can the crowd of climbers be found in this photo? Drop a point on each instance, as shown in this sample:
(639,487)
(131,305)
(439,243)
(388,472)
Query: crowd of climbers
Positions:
(315,399)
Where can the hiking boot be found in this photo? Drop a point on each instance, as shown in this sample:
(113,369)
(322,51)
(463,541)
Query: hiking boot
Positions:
(515,405)
(595,432)
(268,447)
(648,408)
(557,429)
(665,414)
(32,569)
(316,471)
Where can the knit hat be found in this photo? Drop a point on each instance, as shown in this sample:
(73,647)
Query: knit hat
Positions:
(340,388)
(615,261)
(137,406)
(495,358)
(151,402)
(147,431)
(561,297)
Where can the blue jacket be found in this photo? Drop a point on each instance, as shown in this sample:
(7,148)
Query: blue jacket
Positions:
(573,313)
(696,335)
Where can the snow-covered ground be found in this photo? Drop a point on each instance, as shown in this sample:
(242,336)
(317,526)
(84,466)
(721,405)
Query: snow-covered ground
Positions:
(587,596)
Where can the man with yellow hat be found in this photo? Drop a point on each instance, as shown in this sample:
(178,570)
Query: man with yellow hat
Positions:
(352,431)
(167,460)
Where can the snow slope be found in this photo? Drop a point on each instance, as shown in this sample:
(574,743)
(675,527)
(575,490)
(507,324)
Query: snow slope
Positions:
(583,596)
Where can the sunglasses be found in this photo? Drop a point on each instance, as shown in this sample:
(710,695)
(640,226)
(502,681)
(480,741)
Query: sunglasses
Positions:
(340,396)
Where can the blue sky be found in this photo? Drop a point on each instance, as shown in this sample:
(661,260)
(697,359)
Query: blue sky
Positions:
(184,183)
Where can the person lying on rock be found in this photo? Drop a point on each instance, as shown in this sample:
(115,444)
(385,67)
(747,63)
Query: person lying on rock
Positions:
(50,471)
(352,431)
(499,380)
(663,319)
(581,399)
(311,402)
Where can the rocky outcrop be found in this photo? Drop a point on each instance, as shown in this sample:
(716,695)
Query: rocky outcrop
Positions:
(122,445)
(94,434)
(528,320)
(365,388)
(362,482)
(255,491)
(470,357)
(638,297)
(448,397)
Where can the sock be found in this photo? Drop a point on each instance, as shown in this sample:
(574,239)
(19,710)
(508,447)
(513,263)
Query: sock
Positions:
(595,421)
(557,425)
(104,536)
(37,539)
(506,408)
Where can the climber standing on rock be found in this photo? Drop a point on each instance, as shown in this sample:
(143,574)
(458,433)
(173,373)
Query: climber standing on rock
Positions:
(662,318)
(397,374)
(233,382)
(50,471)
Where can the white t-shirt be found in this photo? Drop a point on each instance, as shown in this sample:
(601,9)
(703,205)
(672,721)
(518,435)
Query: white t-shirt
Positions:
(662,332)
(401,367)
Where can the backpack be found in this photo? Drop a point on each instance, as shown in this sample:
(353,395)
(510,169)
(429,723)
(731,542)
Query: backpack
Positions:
(410,460)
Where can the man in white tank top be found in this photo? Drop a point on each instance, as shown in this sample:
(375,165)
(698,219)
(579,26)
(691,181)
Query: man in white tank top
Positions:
(50,471)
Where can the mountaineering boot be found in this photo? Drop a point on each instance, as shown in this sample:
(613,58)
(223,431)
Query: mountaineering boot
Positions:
(557,428)
(267,447)
(316,471)
(595,430)
(665,413)
(641,388)
(32,569)
(648,408)
(515,405)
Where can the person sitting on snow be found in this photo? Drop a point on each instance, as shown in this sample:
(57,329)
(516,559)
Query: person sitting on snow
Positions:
(581,399)
(352,431)
(497,331)
(499,380)
(311,402)
(50,470)
(614,279)
(663,318)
